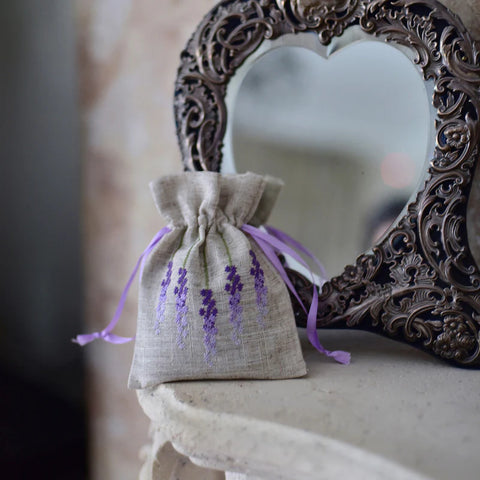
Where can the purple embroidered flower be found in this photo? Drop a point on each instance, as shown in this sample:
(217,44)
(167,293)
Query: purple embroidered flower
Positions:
(181,291)
(209,314)
(234,288)
(260,289)
(162,298)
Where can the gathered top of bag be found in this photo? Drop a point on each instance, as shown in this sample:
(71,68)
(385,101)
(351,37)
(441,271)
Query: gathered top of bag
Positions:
(205,198)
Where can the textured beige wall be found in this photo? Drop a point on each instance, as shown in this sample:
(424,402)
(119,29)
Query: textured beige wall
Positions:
(128,53)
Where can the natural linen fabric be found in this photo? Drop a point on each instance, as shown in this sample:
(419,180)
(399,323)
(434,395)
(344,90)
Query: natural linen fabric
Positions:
(211,306)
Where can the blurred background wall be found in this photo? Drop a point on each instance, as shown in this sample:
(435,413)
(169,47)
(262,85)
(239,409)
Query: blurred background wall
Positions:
(121,71)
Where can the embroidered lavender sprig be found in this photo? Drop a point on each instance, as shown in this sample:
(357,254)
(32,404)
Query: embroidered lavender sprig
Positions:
(260,289)
(181,291)
(209,314)
(234,288)
(162,298)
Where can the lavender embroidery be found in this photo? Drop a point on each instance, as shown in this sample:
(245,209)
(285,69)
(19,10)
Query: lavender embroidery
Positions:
(209,314)
(260,288)
(234,287)
(180,292)
(162,298)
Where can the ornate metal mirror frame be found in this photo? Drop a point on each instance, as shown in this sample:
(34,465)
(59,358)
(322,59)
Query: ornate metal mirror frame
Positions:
(420,284)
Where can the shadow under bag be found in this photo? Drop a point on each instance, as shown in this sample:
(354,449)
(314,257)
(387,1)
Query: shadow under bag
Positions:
(211,305)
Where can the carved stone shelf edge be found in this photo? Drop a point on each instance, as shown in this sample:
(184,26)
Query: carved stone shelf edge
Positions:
(421,284)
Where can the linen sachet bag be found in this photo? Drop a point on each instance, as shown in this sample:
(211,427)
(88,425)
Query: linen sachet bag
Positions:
(211,306)
(213,298)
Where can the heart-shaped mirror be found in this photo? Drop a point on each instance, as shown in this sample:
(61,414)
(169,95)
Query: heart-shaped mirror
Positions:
(419,282)
(359,151)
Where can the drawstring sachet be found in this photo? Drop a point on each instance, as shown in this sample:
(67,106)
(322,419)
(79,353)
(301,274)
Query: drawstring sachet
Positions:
(213,299)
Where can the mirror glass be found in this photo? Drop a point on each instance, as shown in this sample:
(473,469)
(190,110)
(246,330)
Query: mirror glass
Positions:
(349,135)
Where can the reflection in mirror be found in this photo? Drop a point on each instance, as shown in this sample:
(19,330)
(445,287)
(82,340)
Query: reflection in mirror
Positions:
(348,135)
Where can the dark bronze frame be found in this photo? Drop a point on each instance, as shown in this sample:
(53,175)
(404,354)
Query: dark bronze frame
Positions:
(420,284)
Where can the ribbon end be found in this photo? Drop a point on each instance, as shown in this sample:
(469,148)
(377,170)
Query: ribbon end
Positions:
(115,339)
(341,357)
(106,336)
(82,340)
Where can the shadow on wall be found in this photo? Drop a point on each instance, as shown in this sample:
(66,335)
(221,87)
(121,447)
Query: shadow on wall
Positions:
(43,423)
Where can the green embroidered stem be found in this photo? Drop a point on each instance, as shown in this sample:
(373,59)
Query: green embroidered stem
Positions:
(188,254)
(180,245)
(227,249)
(206,268)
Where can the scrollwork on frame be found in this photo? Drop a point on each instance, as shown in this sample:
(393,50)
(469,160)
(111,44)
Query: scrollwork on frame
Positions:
(328,18)
(420,284)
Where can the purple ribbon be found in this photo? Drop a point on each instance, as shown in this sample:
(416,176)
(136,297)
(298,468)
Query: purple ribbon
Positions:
(274,241)
(106,334)
(282,236)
